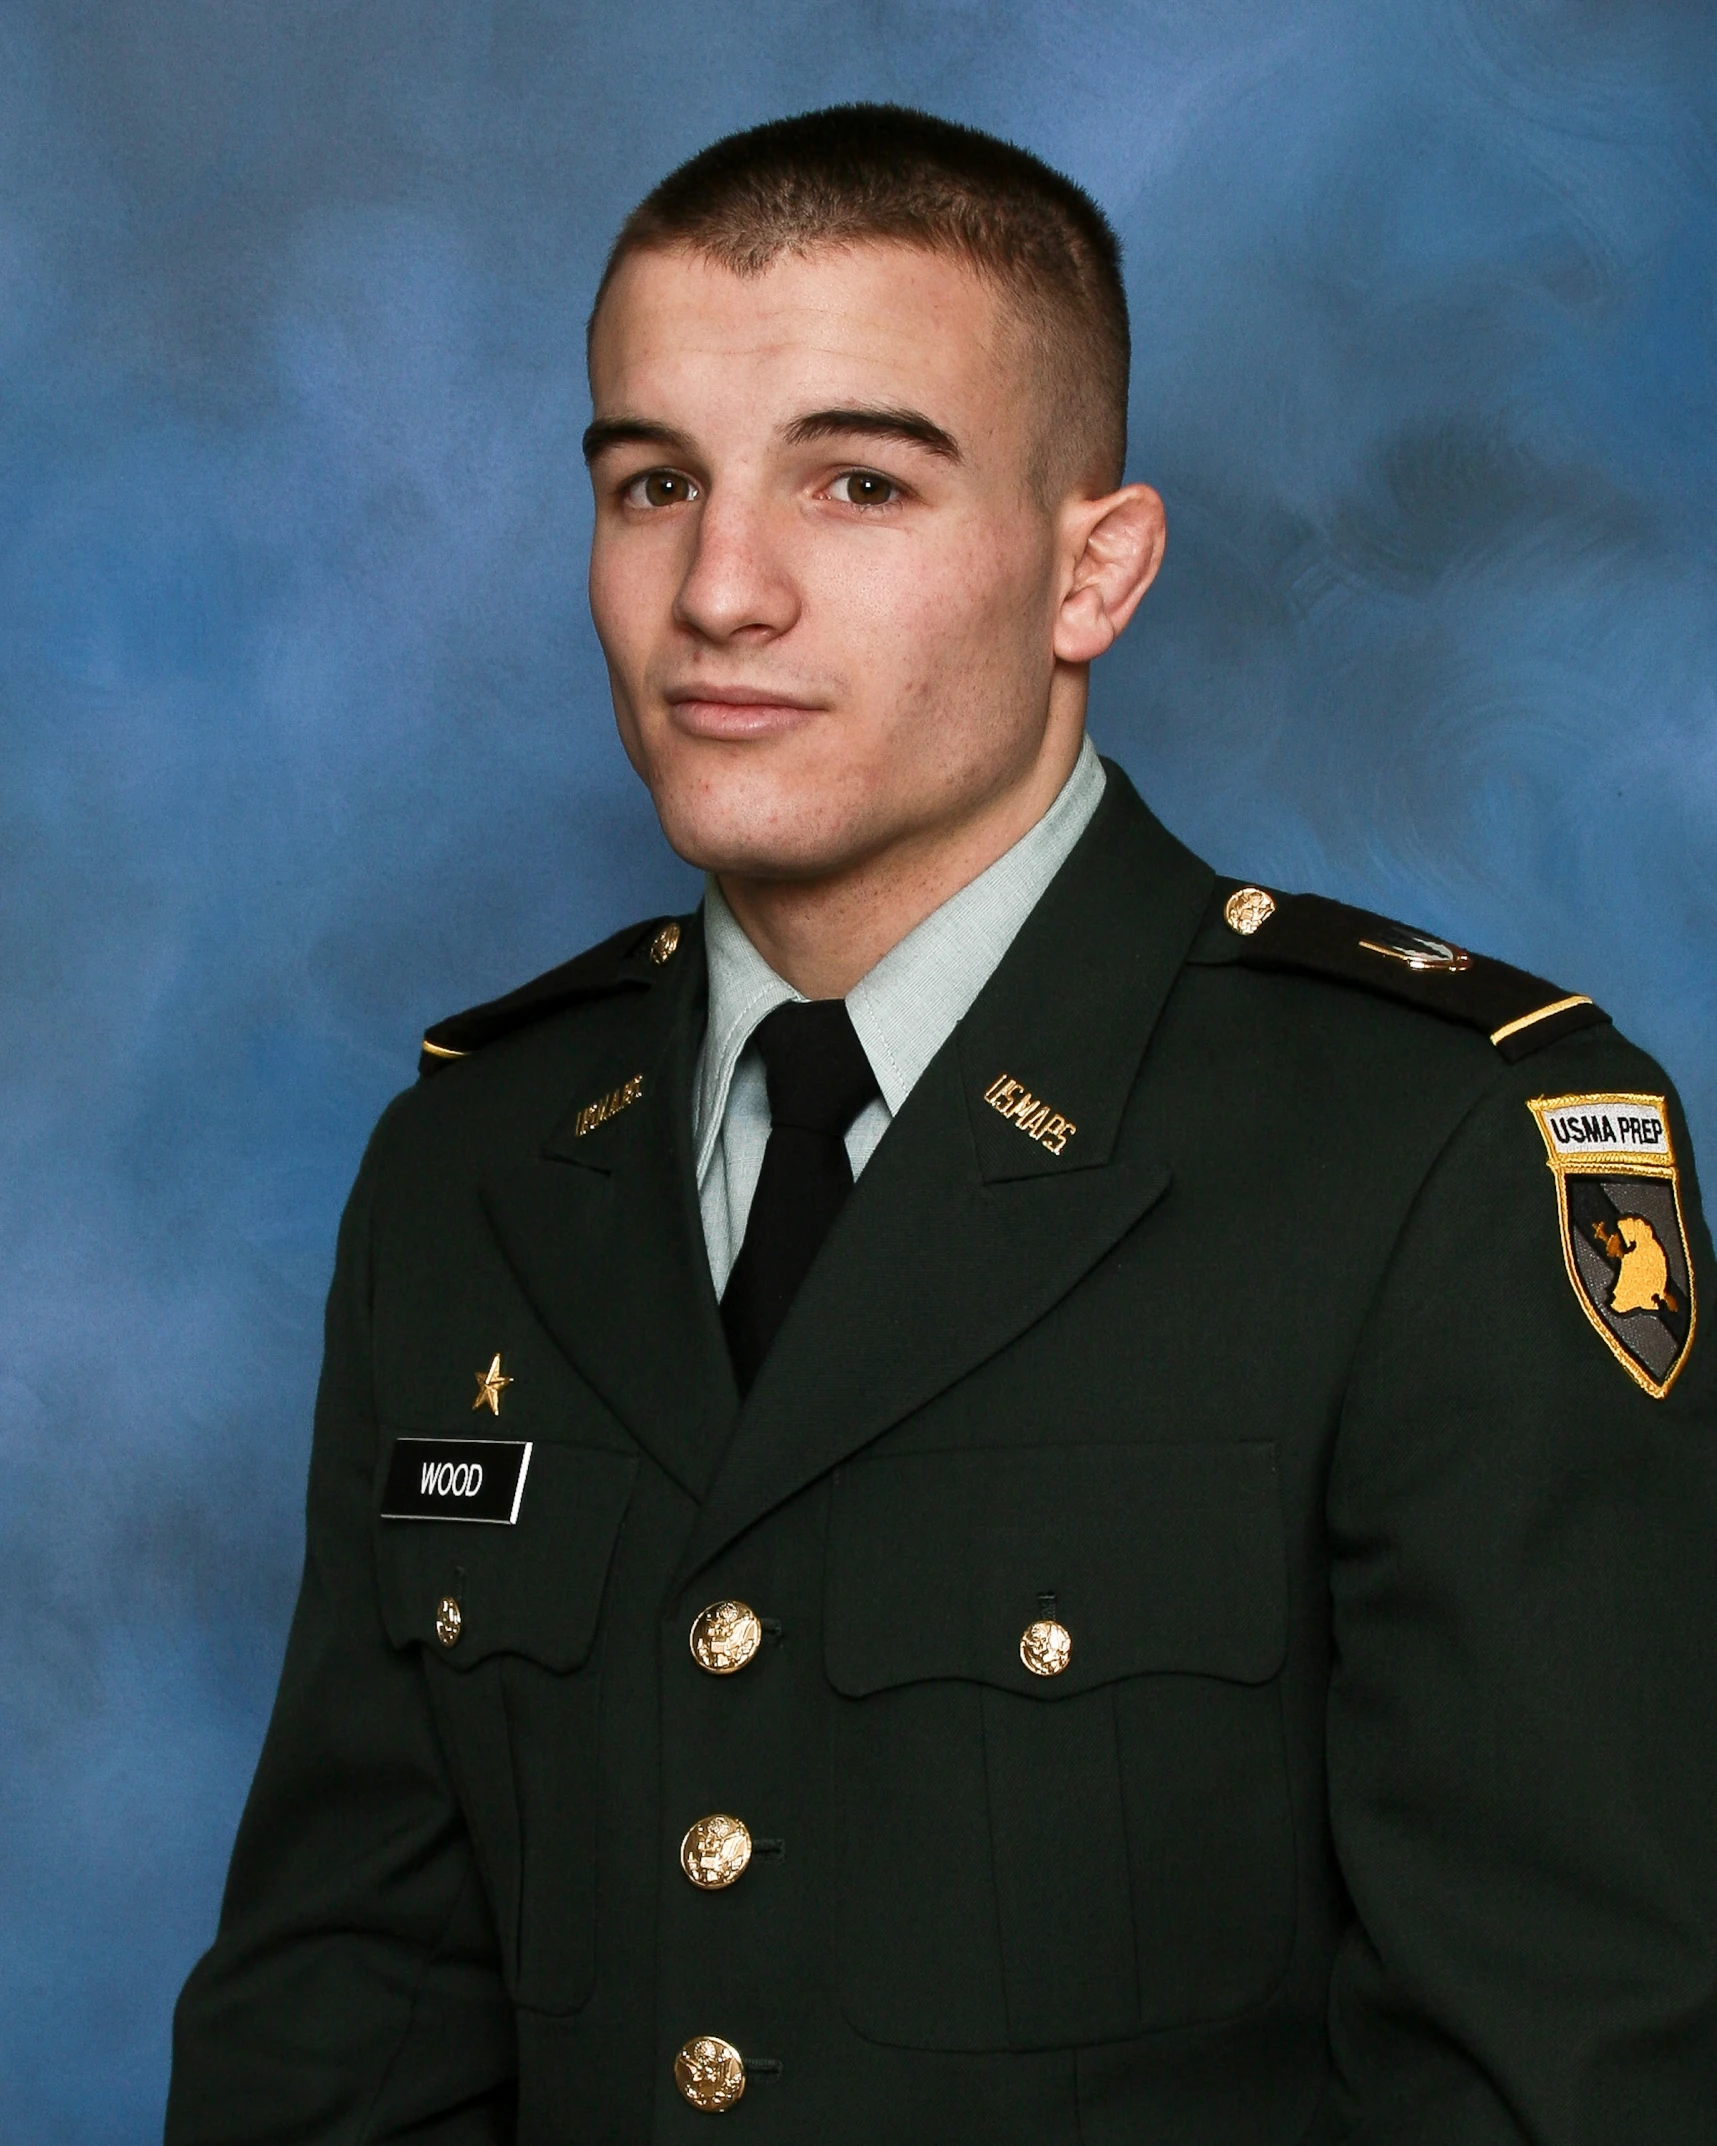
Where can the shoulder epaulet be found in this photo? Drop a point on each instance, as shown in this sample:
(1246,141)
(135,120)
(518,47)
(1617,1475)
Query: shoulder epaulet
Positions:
(626,961)
(1518,1012)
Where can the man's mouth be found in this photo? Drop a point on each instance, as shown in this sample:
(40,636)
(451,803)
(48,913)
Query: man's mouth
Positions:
(737,711)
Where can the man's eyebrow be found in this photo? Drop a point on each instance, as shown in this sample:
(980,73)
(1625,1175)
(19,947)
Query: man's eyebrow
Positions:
(609,432)
(874,423)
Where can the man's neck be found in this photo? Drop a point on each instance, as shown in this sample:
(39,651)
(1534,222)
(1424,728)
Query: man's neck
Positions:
(822,935)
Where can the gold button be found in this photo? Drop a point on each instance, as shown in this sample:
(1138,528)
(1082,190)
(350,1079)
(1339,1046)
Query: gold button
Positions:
(1246,908)
(715,1851)
(664,945)
(709,2072)
(449,1621)
(725,1636)
(1046,1647)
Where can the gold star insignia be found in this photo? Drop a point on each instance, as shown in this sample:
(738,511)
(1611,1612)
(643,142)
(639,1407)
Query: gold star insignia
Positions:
(489,1384)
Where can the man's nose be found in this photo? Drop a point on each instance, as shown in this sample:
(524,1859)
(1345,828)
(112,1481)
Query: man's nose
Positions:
(737,581)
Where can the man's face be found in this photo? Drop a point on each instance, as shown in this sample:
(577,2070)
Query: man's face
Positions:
(820,573)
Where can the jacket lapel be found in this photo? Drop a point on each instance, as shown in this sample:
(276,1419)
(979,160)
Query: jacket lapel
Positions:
(967,1226)
(603,1233)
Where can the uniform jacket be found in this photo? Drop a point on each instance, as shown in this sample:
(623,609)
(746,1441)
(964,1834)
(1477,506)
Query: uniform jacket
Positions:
(1375,1799)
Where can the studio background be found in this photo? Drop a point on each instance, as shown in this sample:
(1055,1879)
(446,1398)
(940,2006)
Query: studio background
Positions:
(306,736)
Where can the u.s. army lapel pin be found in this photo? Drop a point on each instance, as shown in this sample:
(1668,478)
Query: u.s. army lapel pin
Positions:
(1618,1195)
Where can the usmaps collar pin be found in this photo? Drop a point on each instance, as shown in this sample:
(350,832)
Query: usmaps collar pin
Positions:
(1618,1196)
(608,1106)
(489,1384)
(1030,1113)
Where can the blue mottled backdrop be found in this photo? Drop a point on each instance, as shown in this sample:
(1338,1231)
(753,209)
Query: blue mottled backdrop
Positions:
(306,737)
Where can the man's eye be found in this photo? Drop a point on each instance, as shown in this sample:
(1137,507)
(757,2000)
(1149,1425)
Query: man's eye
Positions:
(864,488)
(660,488)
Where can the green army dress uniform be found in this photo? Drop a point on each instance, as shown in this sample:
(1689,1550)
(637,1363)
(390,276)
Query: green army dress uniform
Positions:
(1206,1620)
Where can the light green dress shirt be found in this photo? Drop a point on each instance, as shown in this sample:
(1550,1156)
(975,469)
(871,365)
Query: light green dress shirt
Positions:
(904,1010)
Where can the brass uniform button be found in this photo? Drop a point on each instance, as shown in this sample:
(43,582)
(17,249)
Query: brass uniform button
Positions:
(709,2072)
(449,1621)
(665,944)
(1046,1647)
(1246,908)
(715,1851)
(725,1636)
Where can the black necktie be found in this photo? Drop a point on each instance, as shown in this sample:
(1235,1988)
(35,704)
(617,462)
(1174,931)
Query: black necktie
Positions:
(819,1081)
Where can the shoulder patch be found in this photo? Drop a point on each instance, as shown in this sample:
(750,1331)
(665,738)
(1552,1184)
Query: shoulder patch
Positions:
(1624,1241)
(630,960)
(1267,930)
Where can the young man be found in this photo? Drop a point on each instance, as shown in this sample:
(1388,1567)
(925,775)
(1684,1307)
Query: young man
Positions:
(1087,1510)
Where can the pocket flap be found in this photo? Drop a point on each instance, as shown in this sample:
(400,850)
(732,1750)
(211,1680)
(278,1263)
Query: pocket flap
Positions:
(1159,1558)
(532,1588)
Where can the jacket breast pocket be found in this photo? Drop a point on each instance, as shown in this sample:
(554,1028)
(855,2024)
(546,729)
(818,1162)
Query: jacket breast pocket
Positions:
(1093,1848)
(515,1678)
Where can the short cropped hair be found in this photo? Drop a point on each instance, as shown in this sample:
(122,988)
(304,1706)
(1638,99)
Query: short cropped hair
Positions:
(869,173)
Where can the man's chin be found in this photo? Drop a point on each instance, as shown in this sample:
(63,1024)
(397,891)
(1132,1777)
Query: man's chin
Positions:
(754,838)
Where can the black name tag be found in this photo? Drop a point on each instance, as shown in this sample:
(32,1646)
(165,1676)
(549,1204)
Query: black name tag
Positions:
(456,1479)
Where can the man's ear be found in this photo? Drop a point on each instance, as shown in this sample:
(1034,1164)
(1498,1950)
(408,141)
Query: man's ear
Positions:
(1116,545)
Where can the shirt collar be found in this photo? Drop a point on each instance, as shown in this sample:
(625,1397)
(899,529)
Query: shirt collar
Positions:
(742,989)
(907,1007)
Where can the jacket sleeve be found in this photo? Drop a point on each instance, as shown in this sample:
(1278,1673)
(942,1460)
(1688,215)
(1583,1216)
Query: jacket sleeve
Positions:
(353,1991)
(1522,1728)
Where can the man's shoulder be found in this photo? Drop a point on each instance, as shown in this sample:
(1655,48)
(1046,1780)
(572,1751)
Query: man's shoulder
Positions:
(497,1079)
(1309,935)
(631,960)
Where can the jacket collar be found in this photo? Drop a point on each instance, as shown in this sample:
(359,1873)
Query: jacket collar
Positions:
(603,1232)
(976,1214)
(967,1225)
